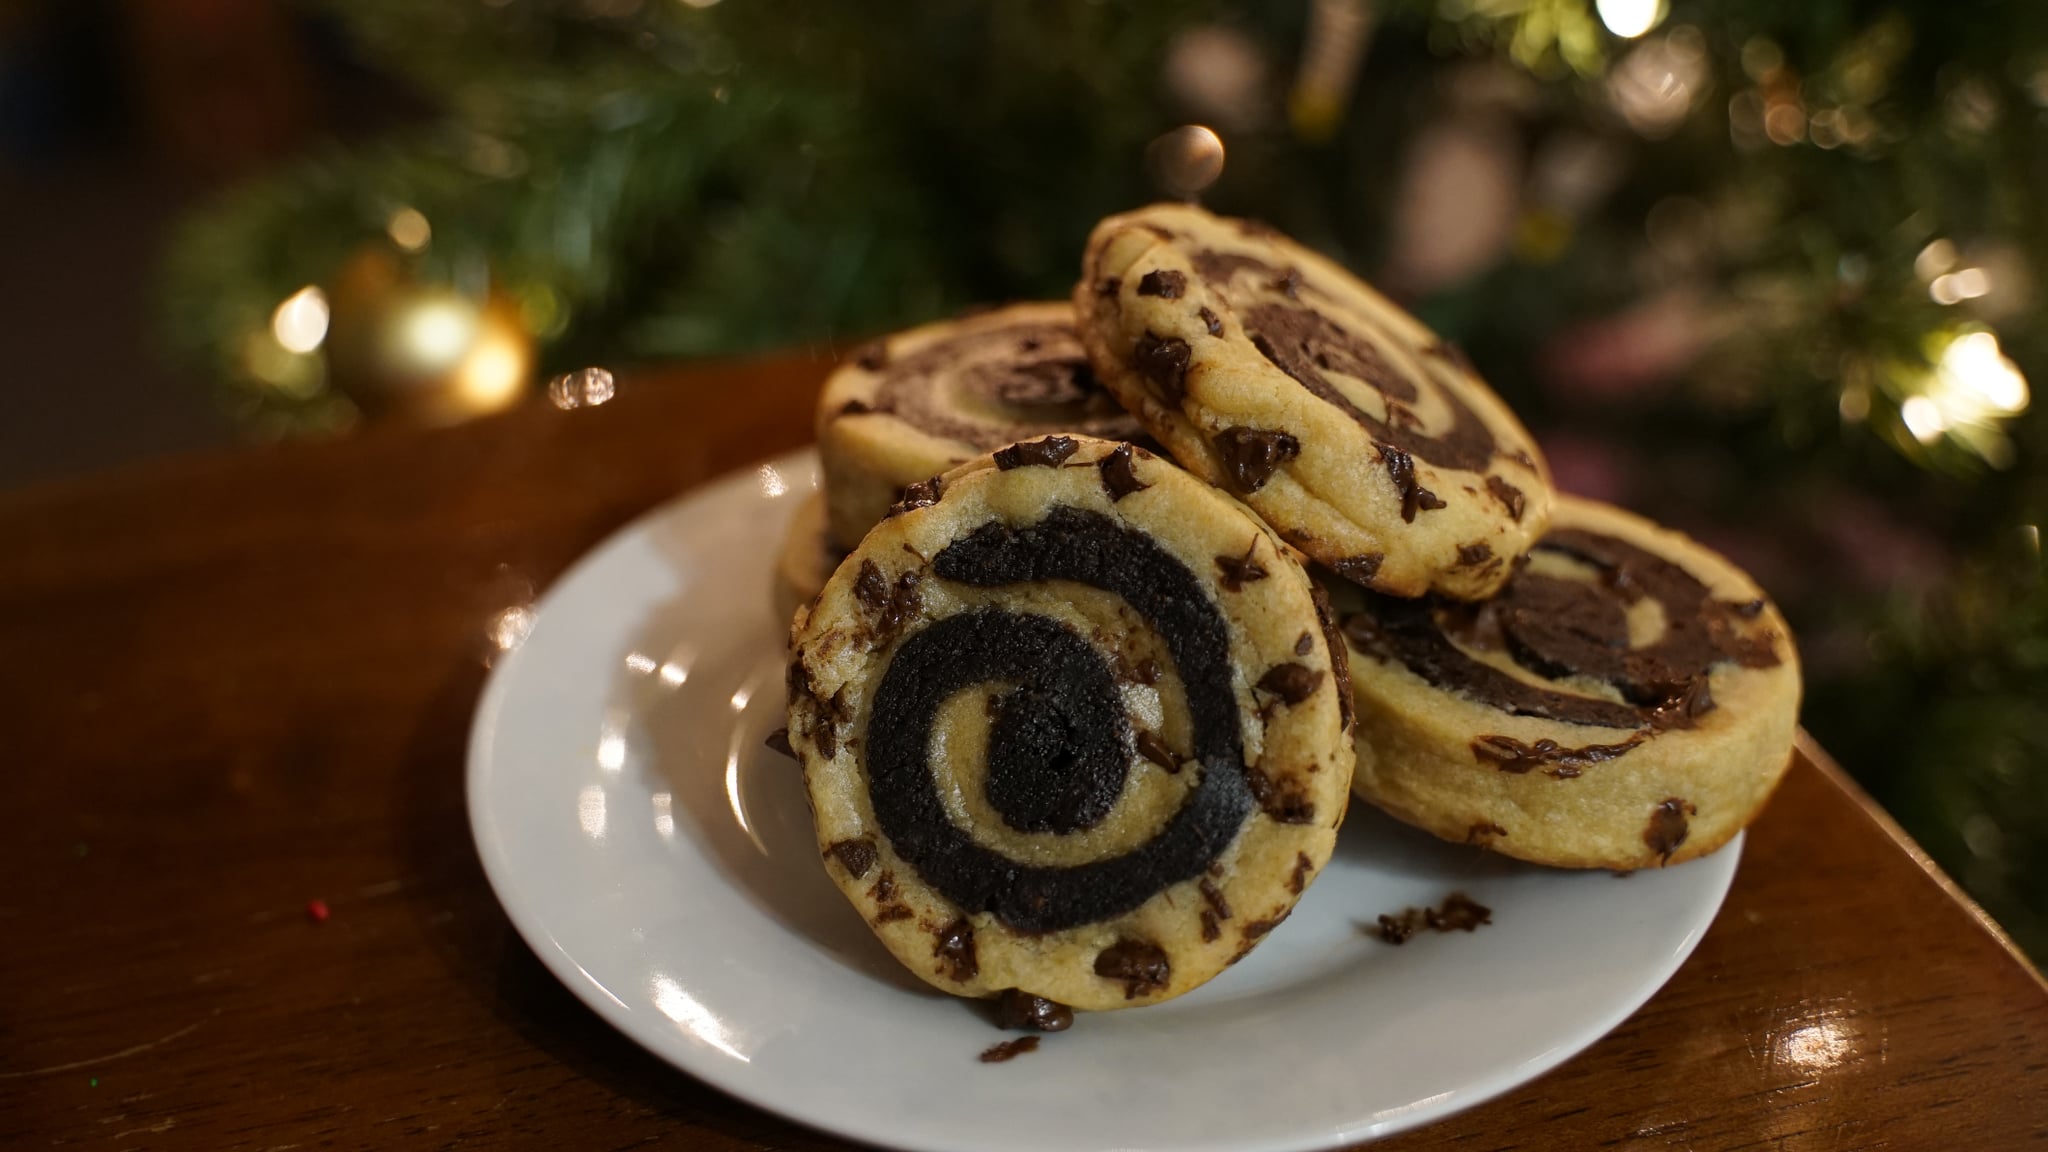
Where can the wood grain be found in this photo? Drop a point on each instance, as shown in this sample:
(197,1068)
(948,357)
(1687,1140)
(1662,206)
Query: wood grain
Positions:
(238,684)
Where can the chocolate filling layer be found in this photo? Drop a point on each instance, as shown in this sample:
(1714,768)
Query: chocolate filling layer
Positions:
(1050,680)
(1558,628)
(1302,342)
(1035,374)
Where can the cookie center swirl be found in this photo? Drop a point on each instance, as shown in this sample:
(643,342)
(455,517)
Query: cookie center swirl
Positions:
(993,387)
(1558,628)
(1060,744)
(1056,759)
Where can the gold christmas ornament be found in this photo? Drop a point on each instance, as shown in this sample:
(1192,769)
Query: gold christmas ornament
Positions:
(423,353)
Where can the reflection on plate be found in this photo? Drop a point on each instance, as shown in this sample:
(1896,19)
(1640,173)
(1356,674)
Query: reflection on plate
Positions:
(659,859)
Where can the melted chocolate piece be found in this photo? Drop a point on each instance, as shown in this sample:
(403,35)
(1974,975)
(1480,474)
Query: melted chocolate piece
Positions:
(1257,929)
(1213,897)
(1050,452)
(922,494)
(854,408)
(1414,497)
(1146,671)
(1164,363)
(1239,571)
(891,913)
(1304,644)
(1152,748)
(1558,762)
(873,357)
(1668,827)
(993,645)
(1359,569)
(1283,806)
(1119,474)
(1474,554)
(1210,321)
(1211,929)
(1302,867)
(1458,913)
(954,949)
(1291,682)
(1143,967)
(1017,1009)
(1250,456)
(1009,1050)
(825,715)
(778,741)
(1510,497)
(1110,286)
(1166,285)
(1289,283)
(883,889)
(1748,610)
(856,856)
(1340,658)
(1484,832)
(891,607)
(1560,628)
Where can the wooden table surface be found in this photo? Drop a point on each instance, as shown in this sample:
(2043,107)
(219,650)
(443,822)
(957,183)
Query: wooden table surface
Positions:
(236,685)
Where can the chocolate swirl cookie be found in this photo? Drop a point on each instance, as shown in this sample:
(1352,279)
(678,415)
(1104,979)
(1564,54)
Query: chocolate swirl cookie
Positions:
(1072,724)
(1370,444)
(1627,700)
(920,402)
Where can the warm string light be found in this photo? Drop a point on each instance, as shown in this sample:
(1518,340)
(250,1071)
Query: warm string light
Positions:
(408,228)
(1629,19)
(300,323)
(1972,391)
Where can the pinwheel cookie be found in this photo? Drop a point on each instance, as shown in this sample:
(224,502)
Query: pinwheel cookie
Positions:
(920,402)
(1627,700)
(1072,727)
(1369,444)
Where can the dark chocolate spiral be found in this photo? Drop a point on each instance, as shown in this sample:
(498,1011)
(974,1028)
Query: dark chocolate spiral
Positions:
(1558,627)
(1301,341)
(1061,746)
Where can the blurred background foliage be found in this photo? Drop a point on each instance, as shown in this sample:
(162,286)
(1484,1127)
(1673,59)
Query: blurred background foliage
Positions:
(1769,272)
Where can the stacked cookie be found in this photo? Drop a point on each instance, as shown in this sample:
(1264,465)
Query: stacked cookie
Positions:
(1076,718)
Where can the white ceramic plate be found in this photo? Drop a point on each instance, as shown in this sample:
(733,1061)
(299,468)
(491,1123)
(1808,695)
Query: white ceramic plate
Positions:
(660,861)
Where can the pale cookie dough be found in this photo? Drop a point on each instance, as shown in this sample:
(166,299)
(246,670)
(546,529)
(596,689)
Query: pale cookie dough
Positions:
(1627,701)
(1072,727)
(1370,445)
